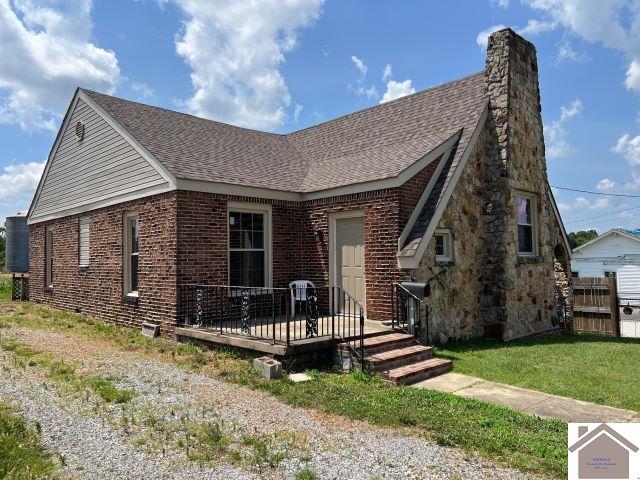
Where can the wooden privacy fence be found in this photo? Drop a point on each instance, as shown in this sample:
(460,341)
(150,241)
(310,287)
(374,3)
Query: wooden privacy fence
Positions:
(595,305)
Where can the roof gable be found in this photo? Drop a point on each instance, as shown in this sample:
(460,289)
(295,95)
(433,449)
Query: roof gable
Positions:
(97,168)
(599,238)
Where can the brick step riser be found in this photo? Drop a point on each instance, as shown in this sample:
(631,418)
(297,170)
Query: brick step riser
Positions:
(418,376)
(399,362)
(389,346)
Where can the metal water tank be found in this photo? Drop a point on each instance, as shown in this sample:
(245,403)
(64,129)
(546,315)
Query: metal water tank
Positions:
(17,246)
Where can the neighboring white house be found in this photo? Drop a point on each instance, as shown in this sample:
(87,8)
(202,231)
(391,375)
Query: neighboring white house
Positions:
(605,255)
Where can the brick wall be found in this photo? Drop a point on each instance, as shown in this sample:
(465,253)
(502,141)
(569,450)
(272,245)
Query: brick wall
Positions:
(183,239)
(98,290)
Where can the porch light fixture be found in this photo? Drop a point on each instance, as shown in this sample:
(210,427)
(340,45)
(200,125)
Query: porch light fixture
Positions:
(318,235)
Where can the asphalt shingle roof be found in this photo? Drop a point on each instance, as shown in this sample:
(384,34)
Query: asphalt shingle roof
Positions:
(372,144)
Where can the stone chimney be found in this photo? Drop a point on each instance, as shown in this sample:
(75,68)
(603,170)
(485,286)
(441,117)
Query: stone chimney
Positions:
(515,160)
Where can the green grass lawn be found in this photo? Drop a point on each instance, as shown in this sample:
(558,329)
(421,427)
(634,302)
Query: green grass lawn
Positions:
(586,367)
(5,286)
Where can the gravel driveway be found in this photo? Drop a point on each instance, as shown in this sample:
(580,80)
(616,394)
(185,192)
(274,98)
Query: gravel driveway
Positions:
(148,437)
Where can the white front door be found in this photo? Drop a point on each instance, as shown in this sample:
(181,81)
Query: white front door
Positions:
(349,256)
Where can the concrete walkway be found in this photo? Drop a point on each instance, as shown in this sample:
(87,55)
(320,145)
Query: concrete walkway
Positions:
(528,401)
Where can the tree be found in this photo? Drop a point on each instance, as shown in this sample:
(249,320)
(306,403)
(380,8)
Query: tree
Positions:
(581,237)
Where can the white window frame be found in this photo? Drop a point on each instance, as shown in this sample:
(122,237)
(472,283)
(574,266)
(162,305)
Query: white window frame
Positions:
(84,255)
(534,224)
(48,257)
(126,253)
(448,245)
(261,208)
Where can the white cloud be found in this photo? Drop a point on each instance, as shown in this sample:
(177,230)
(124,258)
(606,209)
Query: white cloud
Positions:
(555,132)
(483,37)
(629,148)
(500,3)
(235,50)
(397,90)
(18,183)
(388,72)
(296,113)
(360,65)
(46,52)
(584,205)
(534,27)
(369,92)
(605,184)
(144,90)
(360,88)
(567,52)
(632,80)
(613,23)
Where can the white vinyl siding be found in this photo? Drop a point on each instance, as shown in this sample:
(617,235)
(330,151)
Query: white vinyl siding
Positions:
(100,166)
(606,254)
(83,241)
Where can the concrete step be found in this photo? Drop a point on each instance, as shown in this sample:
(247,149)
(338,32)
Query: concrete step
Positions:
(390,341)
(417,371)
(397,357)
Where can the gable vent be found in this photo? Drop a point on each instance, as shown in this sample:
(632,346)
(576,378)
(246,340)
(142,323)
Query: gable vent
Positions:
(80,130)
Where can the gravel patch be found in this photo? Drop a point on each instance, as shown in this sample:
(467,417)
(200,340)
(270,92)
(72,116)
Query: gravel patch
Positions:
(107,441)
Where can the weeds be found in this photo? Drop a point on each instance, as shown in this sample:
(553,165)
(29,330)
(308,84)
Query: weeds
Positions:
(306,474)
(21,453)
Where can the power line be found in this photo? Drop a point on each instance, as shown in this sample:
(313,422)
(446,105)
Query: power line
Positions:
(596,193)
(604,215)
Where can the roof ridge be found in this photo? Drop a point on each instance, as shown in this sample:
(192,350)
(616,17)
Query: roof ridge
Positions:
(390,102)
(380,105)
(86,90)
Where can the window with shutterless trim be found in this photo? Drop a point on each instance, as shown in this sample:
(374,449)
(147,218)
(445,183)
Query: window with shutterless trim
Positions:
(48,258)
(443,245)
(527,224)
(249,245)
(130,250)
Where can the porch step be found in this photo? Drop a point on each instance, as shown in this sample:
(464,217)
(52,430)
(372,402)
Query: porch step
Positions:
(397,357)
(414,372)
(390,341)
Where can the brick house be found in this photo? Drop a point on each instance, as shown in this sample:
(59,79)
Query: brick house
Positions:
(447,186)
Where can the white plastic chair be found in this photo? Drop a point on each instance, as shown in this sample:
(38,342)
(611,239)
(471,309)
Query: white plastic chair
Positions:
(299,293)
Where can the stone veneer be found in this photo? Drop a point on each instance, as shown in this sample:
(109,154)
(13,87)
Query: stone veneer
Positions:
(488,287)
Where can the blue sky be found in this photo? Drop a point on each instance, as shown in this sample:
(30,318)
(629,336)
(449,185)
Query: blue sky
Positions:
(283,65)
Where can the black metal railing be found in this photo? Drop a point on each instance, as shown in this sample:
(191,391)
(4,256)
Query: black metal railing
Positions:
(409,313)
(279,315)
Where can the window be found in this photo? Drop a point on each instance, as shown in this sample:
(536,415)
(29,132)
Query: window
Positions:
(444,246)
(131,230)
(610,274)
(526,206)
(575,274)
(249,246)
(83,241)
(48,258)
